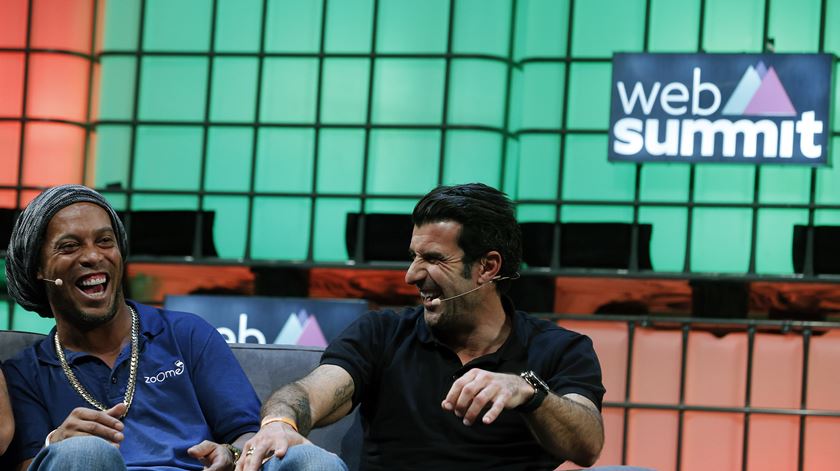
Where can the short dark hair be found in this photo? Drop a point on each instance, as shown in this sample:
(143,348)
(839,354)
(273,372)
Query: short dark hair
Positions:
(487,219)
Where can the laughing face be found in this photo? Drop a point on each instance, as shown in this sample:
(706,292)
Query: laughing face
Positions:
(81,249)
(438,271)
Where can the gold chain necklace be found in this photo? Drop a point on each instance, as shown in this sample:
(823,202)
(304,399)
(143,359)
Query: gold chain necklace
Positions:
(132,375)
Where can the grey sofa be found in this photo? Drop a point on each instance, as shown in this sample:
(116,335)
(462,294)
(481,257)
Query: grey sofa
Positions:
(268,367)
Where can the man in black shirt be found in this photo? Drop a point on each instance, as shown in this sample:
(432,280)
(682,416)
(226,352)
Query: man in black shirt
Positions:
(464,379)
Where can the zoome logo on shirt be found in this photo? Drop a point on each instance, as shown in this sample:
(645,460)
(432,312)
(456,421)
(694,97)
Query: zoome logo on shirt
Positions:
(164,375)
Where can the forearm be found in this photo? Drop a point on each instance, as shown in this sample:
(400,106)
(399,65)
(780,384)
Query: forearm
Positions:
(320,398)
(291,401)
(568,429)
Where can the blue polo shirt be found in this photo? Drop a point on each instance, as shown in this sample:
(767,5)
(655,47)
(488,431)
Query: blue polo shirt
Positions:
(189,388)
(402,372)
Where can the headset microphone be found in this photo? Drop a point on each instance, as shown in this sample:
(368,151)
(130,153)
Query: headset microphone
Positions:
(57,281)
(438,301)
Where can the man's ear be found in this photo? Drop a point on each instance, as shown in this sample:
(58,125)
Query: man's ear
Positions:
(491,264)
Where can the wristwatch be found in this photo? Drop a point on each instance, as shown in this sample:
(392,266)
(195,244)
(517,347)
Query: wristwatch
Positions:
(541,390)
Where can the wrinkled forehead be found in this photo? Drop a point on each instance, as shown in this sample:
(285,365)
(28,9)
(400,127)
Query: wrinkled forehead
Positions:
(77,217)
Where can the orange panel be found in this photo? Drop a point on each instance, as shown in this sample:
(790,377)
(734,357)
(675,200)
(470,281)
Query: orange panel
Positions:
(822,436)
(610,342)
(823,372)
(59,24)
(773,443)
(652,439)
(9,152)
(13,23)
(152,282)
(11,84)
(589,295)
(58,87)
(613,432)
(712,441)
(52,154)
(656,366)
(777,371)
(716,369)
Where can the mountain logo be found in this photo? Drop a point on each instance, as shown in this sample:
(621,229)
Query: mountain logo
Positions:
(759,93)
(301,328)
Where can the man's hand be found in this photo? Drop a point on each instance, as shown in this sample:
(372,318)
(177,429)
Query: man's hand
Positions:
(272,440)
(84,421)
(477,389)
(213,456)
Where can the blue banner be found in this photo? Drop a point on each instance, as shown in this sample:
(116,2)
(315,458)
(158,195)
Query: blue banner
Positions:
(290,321)
(745,108)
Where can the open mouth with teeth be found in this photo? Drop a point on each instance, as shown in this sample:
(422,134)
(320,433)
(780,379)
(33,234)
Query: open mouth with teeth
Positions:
(93,285)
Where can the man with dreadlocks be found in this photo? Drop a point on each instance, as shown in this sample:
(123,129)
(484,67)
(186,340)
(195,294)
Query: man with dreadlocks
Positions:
(116,384)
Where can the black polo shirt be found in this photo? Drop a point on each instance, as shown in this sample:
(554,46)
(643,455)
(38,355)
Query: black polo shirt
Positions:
(402,374)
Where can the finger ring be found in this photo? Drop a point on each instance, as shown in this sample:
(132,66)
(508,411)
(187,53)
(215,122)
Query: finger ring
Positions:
(250,451)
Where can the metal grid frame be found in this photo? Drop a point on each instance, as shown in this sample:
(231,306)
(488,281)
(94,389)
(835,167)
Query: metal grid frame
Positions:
(357,259)
(805,329)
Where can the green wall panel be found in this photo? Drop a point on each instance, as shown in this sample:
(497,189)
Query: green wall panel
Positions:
(414,154)
(173,88)
(472,156)
(330,226)
(166,30)
(674,25)
(541,28)
(720,240)
(664,182)
(795,25)
(411,26)
(588,176)
(733,26)
(280,228)
(234,90)
(539,164)
(482,27)
(340,161)
(284,160)
(118,85)
(773,248)
(477,93)
(344,95)
(238,25)
(720,183)
(596,34)
(289,90)
(542,95)
(295,26)
(168,157)
(349,26)
(408,91)
(231,219)
(589,96)
(229,151)
(668,236)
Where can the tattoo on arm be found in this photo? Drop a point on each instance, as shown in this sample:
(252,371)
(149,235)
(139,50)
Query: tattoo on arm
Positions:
(291,400)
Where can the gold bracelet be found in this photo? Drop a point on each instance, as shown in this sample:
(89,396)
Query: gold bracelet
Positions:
(285,420)
(234,451)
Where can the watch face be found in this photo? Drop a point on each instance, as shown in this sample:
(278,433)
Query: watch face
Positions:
(535,381)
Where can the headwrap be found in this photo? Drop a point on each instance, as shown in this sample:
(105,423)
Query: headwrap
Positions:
(23,257)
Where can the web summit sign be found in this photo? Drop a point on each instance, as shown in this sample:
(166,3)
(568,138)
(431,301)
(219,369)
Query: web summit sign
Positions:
(756,108)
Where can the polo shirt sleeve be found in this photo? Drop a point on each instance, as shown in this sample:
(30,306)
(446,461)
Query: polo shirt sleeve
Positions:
(32,424)
(229,402)
(576,369)
(357,350)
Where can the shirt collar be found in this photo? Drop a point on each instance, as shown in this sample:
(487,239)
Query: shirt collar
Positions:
(513,347)
(151,324)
